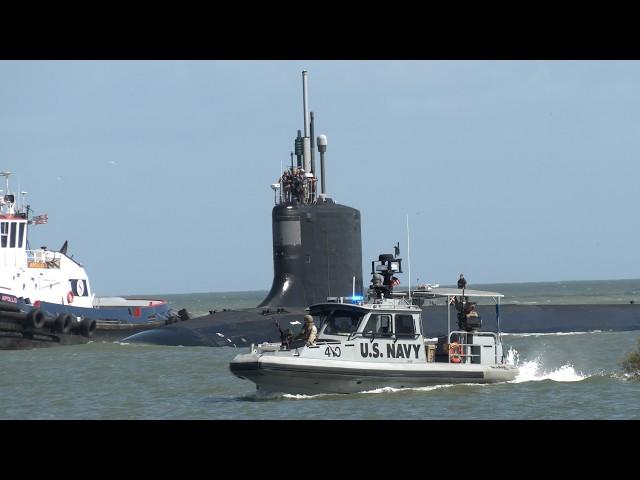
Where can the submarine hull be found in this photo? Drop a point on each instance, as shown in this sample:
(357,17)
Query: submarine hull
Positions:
(233,328)
(243,327)
(317,253)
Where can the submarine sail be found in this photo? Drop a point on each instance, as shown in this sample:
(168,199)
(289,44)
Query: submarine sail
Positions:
(316,253)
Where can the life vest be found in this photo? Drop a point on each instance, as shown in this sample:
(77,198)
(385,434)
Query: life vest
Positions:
(455,352)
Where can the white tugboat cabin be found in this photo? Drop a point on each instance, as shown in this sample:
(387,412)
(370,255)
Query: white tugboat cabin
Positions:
(40,275)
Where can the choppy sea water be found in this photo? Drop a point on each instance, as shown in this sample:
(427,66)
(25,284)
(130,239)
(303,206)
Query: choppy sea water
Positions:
(562,376)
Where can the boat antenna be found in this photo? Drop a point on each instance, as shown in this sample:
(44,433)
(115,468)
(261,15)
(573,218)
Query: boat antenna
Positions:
(409,258)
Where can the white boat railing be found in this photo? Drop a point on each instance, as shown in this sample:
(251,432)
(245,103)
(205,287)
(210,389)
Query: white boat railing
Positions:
(465,347)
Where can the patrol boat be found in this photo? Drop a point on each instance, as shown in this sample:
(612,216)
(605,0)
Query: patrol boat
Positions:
(46,297)
(379,342)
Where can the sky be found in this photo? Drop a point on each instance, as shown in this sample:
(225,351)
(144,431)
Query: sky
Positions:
(158,173)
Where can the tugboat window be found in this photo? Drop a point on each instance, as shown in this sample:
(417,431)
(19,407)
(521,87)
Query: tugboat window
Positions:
(378,324)
(404,325)
(21,236)
(4,232)
(342,323)
(12,235)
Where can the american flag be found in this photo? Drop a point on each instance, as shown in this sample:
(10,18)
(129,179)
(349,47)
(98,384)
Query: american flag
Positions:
(395,282)
(40,219)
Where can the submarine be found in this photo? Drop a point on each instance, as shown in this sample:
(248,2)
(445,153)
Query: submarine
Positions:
(317,254)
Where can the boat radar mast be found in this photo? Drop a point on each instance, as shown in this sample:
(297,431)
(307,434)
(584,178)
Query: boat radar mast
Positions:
(383,279)
(8,204)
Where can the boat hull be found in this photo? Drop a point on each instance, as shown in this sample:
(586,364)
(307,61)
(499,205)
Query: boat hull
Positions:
(308,377)
(110,322)
(115,322)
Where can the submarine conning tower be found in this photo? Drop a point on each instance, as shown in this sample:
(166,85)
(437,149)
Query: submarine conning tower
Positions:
(317,247)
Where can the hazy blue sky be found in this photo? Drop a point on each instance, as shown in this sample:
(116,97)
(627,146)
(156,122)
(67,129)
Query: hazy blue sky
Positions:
(158,172)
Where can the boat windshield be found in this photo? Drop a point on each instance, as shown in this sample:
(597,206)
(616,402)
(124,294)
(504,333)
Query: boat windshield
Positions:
(342,322)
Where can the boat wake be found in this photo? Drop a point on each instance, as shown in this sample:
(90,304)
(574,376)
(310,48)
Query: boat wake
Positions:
(534,371)
(410,389)
(381,390)
(367,392)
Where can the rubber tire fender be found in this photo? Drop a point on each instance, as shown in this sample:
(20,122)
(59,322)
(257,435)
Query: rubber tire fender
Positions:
(35,319)
(62,323)
(87,327)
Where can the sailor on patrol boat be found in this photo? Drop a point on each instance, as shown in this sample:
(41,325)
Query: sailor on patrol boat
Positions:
(309,332)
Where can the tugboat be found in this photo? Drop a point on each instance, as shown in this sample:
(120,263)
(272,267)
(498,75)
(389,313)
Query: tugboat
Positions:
(46,297)
(379,342)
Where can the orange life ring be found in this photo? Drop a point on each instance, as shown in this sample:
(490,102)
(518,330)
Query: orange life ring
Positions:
(455,352)
(70,297)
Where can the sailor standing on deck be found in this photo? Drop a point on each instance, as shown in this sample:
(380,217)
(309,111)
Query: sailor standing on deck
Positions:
(462,284)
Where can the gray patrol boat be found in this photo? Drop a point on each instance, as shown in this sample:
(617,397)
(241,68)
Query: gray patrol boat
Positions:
(366,344)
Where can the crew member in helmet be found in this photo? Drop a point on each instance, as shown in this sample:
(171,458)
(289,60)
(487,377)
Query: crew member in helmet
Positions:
(309,332)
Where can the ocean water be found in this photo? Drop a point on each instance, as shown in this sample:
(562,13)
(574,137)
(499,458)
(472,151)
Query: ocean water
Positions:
(562,376)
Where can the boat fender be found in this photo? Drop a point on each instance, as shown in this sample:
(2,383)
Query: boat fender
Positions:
(87,327)
(35,319)
(455,352)
(70,297)
(62,323)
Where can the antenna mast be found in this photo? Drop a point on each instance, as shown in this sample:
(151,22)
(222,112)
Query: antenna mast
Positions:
(409,257)
(306,140)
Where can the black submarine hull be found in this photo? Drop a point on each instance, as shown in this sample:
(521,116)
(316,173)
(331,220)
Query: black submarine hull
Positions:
(317,253)
(242,327)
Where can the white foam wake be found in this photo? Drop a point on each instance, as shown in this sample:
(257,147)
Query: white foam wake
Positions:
(300,396)
(375,390)
(533,370)
(418,389)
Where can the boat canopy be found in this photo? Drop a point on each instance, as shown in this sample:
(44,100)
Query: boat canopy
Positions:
(451,292)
